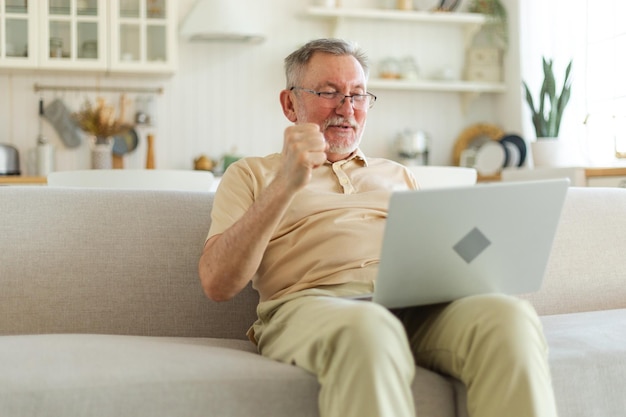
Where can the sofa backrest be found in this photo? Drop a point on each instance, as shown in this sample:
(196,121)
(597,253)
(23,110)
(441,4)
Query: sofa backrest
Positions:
(587,266)
(134,179)
(125,262)
(109,261)
(432,176)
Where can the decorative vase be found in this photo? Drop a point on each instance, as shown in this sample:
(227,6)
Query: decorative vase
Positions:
(555,152)
(546,152)
(102,152)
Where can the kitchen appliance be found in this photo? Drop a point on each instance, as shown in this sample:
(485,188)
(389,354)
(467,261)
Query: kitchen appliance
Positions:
(224,21)
(412,147)
(9,160)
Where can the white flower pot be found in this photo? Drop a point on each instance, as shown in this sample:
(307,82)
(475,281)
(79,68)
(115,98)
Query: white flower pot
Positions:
(102,153)
(554,152)
(545,152)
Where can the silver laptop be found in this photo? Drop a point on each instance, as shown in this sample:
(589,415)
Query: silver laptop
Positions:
(443,244)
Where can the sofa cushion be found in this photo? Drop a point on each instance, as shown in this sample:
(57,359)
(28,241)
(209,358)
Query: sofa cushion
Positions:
(59,375)
(586,269)
(587,360)
(110,262)
(102,375)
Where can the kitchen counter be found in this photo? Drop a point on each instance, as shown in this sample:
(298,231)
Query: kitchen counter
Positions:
(22,180)
(579,176)
(587,173)
(605,172)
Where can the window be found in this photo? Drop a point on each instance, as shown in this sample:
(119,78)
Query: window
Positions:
(592,33)
(605,76)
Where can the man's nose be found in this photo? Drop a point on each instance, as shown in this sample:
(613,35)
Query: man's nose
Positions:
(345,106)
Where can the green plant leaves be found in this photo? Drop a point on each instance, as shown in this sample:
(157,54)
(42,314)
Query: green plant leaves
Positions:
(547,116)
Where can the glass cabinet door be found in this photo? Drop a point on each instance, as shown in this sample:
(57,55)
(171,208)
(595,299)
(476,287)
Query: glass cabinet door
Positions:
(156,33)
(18,40)
(128,44)
(143,35)
(102,35)
(74,34)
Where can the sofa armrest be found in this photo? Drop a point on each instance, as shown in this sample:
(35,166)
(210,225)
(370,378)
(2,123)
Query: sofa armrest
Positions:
(587,266)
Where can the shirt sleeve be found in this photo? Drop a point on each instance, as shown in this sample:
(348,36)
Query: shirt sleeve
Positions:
(233,198)
(412,182)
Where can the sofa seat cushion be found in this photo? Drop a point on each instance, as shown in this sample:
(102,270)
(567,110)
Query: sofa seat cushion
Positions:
(101,375)
(588,362)
(68,375)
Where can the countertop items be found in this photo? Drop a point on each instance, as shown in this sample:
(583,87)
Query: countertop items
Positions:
(9,160)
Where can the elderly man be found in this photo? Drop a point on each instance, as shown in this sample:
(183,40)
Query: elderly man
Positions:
(306,227)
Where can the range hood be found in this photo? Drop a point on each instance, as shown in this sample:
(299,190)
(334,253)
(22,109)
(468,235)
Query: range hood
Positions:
(222,20)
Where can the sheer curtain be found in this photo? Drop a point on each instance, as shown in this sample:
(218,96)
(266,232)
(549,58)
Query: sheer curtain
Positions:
(592,33)
(605,82)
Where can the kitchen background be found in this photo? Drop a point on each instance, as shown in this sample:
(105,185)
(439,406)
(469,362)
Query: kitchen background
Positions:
(223,97)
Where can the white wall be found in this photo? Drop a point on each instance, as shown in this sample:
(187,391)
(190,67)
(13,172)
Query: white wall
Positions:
(225,96)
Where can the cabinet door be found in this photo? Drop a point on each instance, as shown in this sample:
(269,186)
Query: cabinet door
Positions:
(608,181)
(73,34)
(18,37)
(143,37)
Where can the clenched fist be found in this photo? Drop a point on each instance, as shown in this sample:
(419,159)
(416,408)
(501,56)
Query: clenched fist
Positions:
(304,149)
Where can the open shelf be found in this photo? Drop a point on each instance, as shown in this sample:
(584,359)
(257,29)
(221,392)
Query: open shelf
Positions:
(384,14)
(456,86)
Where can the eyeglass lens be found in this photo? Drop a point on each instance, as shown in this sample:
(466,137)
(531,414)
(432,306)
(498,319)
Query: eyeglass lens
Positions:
(333,100)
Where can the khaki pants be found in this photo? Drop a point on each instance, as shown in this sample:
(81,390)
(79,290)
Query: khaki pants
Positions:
(364,355)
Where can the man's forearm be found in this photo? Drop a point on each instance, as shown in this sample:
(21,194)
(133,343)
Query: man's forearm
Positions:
(230,260)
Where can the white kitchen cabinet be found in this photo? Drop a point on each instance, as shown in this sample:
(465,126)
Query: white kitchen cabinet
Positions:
(470,23)
(143,35)
(607,180)
(125,36)
(73,34)
(18,23)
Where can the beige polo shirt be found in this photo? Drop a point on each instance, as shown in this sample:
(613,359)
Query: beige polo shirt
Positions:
(332,232)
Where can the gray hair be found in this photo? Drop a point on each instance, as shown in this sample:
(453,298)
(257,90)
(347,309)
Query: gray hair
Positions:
(296,62)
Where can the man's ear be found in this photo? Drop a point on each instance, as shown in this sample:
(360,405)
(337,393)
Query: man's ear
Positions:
(288,105)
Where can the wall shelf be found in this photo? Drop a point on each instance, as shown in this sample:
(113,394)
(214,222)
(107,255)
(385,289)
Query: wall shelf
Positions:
(471,23)
(414,16)
(456,86)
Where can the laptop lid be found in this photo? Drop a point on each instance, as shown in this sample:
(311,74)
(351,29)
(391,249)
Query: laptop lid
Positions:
(443,244)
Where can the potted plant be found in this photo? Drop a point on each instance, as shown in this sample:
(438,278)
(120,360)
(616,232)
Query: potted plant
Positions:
(101,124)
(550,105)
(547,113)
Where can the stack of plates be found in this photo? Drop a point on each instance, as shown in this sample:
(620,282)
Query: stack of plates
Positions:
(488,149)
(515,148)
(492,156)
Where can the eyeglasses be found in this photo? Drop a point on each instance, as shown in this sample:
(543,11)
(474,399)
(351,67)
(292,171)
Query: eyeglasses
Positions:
(332,100)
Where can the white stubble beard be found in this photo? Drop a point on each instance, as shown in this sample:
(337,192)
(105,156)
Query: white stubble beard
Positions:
(343,148)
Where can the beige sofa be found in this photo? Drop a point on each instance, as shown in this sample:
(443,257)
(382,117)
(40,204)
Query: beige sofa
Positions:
(102,314)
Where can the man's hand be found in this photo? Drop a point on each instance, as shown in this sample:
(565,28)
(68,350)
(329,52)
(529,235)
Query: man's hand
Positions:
(304,149)
(230,260)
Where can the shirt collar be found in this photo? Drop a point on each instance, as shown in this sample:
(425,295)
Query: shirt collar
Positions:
(357,155)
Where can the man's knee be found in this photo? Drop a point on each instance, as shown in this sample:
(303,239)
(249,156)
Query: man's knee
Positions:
(507,321)
(372,339)
(373,329)
(368,322)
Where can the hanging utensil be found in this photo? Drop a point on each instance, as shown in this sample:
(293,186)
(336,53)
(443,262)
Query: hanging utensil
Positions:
(124,142)
(61,119)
